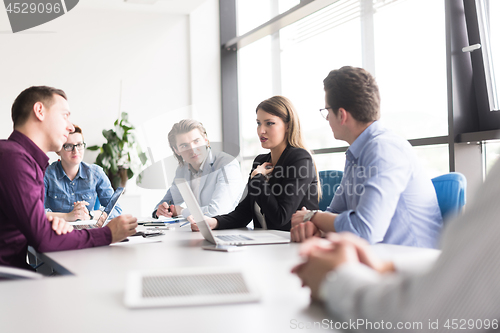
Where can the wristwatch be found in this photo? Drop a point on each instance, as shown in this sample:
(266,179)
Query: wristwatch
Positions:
(309,215)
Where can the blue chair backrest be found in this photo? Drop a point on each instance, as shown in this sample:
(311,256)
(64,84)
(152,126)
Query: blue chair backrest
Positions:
(330,181)
(450,191)
(97,205)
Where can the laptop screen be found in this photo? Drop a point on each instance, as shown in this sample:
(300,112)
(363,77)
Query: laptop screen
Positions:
(194,208)
(112,202)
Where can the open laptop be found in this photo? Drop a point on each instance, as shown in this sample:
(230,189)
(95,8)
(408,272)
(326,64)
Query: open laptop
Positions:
(92,224)
(226,237)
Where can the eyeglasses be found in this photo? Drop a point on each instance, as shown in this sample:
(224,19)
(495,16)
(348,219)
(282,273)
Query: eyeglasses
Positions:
(78,146)
(324,112)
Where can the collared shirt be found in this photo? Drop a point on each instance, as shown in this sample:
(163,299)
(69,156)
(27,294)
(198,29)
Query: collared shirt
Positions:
(22,216)
(90,182)
(220,185)
(384,196)
(292,185)
(196,175)
(461,283)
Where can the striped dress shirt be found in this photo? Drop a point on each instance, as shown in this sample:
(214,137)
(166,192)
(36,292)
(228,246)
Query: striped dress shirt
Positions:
(460,291)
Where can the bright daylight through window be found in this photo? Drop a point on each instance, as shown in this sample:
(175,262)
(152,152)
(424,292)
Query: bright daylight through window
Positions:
(408,59)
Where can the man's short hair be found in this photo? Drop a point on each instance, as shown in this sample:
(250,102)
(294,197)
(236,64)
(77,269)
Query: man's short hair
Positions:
(23,105)
(184,126)
(355,90)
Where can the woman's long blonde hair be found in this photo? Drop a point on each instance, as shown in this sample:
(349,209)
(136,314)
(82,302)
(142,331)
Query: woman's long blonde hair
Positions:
(283,108)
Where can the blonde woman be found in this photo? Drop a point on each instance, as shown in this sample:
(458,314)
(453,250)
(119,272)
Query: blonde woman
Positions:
(282,181)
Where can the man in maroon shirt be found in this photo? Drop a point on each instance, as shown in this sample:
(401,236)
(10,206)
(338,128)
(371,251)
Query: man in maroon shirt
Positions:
(41,124)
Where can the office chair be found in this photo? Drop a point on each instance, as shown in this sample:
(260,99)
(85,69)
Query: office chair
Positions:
(330,181)
(450,190)
(11,273)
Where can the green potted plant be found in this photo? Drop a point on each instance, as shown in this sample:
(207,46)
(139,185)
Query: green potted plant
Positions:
(121,157)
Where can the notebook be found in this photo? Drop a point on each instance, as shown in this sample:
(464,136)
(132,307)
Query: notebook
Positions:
(188,286)
(226,237)
(92,224)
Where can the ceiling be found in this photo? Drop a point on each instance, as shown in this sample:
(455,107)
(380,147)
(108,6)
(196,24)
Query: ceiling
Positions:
(154,6)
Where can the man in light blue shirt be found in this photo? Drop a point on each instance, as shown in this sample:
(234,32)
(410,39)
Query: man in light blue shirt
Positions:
(384,196)
(214,177)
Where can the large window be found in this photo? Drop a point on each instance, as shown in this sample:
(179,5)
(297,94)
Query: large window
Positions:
(310,48)
(253,13)
(402,42)
(410,67)
(483,34)
(492,153)
(493,24)
(255,85)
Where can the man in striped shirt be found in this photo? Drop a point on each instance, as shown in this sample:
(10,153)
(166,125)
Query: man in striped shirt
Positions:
(459,290)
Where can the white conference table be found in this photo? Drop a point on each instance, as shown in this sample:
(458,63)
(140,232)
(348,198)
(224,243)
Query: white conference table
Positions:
(91,300)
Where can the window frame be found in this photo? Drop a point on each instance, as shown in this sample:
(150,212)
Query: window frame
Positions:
(467,120)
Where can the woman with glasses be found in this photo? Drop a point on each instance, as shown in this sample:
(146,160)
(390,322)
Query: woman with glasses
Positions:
(282,181)
(72,186)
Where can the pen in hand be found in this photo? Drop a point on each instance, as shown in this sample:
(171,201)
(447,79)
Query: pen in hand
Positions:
(165,209)
(172,209)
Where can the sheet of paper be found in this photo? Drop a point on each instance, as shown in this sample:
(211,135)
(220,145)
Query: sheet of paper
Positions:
(161,219)
(138,240)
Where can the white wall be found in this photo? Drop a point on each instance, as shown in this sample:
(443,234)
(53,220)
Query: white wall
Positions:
(109,61)
(205,67)
(205,92)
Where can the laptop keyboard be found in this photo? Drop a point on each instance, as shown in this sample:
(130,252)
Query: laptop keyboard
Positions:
(231,238)
(192,285)
(84,226)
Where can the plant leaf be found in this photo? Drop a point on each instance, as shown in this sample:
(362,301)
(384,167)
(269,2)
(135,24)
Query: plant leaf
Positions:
(143,157)
(121,151)
(113,168)
(109,135)
(120,132)
(109,150)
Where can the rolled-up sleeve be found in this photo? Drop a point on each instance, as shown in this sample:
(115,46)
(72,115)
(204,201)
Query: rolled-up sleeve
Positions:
(28,214)
(376,183)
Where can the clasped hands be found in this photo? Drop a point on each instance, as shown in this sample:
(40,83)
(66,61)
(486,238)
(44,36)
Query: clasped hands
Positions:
(79,212)
(324,255)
